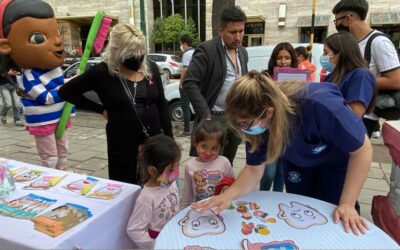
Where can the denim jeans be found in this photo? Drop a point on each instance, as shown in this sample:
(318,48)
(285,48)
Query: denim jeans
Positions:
(273,173)
(10,100)
(185,104)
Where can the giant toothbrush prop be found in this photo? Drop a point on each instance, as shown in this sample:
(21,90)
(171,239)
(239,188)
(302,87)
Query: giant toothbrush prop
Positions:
(96,38)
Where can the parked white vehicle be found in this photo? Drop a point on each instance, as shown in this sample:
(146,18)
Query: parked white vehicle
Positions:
(173,97)
(258,60)
(170,64)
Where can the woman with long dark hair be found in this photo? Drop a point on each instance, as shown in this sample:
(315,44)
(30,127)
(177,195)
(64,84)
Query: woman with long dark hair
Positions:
(342,57)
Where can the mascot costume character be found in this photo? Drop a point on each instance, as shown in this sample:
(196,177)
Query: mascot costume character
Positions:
(29,36)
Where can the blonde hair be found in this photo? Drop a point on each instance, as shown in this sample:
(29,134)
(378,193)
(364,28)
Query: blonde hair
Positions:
(254,92)
(126,41)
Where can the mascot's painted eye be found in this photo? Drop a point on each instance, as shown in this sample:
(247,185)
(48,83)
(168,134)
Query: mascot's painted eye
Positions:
(37,38)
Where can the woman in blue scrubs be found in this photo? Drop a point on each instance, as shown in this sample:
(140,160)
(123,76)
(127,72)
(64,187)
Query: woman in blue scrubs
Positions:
(350,72)
(324,144)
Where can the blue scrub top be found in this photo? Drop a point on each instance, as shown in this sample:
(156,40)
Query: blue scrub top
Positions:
(357,86)
(324,131)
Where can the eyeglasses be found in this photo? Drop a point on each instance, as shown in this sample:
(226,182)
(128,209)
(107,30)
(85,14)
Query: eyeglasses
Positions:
(337,19)
(248,125)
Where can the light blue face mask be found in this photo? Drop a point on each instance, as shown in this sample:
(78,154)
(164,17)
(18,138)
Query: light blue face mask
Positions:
(254,130)
(326,64)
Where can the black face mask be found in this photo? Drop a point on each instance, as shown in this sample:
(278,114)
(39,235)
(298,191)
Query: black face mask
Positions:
(341,27)
(134,63)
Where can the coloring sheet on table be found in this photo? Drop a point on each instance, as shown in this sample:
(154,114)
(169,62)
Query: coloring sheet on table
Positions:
(267,220)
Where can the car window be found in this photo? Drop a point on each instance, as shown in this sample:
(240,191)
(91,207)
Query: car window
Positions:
(152,58)
(70,72)
(162,58)
(176,58)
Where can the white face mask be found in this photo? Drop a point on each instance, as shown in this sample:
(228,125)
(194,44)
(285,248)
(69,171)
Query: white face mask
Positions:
(182,48)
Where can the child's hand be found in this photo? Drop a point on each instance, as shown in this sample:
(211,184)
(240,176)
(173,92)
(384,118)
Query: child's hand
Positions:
(350,218)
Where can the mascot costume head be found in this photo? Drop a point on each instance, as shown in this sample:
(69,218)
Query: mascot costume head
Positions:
(29,34)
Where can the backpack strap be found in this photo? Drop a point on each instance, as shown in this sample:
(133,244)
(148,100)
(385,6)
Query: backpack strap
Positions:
(367,50)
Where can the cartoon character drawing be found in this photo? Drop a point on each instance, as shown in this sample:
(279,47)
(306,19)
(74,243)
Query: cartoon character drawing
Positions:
(246,215)
(60,212)
(254,206)
(273,245)
(260,214)
(241,208)
(195,224)
(247,228)
(200,181)
(214,177)
(300,216)
(262,229)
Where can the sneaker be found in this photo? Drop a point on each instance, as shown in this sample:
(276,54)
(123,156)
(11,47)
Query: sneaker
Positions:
(3,119)
(19,123)
(376,135)
(183,134)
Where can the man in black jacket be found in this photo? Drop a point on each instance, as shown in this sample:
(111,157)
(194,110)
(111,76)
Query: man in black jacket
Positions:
(215,65)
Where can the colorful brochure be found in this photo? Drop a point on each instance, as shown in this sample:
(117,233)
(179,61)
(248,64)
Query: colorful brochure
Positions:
(61,219)
(107,192)
(26,207)
(28,176)
(82,186)
(45,182)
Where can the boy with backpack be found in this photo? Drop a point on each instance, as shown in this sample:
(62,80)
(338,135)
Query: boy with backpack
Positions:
(377,49)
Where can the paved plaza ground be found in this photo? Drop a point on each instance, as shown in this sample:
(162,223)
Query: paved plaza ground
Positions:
(88,153)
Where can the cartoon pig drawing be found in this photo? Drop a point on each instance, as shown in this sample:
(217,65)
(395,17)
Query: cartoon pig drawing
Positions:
(195,224)
(300,216)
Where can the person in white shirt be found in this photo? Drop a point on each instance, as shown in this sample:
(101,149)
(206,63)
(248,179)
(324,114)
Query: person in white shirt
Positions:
(350,16)
(187,49)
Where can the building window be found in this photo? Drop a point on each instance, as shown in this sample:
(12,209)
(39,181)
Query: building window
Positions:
(254,34)
(254,28)
(319,34)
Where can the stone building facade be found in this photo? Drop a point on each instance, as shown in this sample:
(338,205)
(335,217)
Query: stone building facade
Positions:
(76,16)
(383,15)
(269,21)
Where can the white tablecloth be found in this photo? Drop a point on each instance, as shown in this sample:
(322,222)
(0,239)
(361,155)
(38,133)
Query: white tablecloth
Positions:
(106,229)
(313,228)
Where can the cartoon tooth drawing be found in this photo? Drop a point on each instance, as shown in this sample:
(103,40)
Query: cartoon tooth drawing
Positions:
(195,224)
(273,245)
(300,216)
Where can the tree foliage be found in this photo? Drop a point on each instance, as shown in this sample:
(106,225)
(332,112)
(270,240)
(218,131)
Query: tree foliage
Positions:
(170,29)
(158,31)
